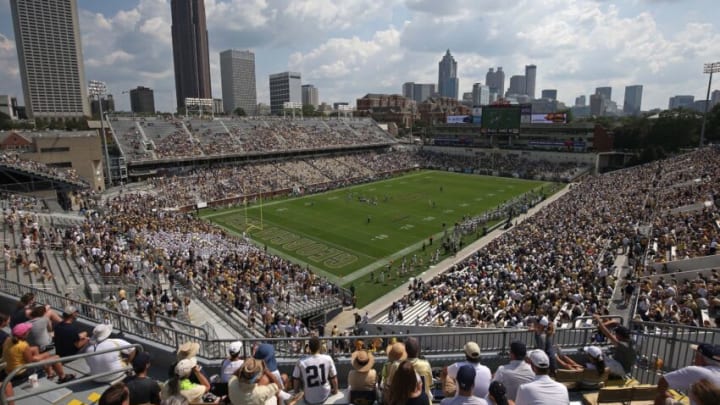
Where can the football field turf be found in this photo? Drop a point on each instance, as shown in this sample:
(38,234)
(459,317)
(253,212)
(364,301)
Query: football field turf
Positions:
(349,232)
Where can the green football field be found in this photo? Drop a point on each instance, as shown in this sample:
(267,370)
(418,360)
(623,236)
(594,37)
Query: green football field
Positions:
(348,233)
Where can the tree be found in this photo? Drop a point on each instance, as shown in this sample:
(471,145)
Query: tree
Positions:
(240,112)
(308,110)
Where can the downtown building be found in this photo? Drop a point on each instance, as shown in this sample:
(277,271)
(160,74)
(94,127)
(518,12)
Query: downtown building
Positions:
(142,100)
(633,99)
(448,83)
(310,95)
(47,37)
(530,76)
(495,80)
(190,50)
(284,87)
(418,91)
(237,73)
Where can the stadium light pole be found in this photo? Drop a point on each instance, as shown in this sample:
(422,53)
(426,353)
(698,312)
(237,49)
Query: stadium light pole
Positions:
(708,68)
(98,88)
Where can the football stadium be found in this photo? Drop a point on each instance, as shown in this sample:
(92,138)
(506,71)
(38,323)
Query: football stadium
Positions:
(365,243)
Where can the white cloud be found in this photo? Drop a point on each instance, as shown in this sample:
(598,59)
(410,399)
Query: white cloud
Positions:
(354,47)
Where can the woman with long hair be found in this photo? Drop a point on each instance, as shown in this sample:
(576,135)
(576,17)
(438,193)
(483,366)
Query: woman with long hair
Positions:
(406,387)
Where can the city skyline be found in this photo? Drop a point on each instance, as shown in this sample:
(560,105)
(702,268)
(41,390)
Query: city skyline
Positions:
(374,47)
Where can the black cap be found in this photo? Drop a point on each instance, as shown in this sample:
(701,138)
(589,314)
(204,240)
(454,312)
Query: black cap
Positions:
(622,332)
(141,361)
(518,349)
(709,351)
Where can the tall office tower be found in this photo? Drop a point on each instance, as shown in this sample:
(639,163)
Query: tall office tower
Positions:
(715,98)
(549,94)
(418,91)
(310,95)
(142,100)
(530,74)
(284,87)
(190,50)
(480,94)
(633,99)
(580,101)
(108,105)
(237,73)
(680,102)
(408,90)
(517,85)
(495,80)
(448,84)
(604,92)
(47,38)
(598,105)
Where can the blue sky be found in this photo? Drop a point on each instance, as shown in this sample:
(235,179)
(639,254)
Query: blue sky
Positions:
(352,47)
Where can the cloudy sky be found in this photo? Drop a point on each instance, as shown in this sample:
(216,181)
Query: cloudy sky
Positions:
(348,48)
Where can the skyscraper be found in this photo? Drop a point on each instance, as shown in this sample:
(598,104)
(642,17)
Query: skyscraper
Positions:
(549,94)
(633,99)
(517,85)
(448,84)
(310,95)
(530,73)
(190,50)
(681,101)
(418,91)
(284,87)
(237,72)
(598,105)
(47,38)
(715,98)
(142,100)
(580,101)
(480,94)
(605,92)
(495,80)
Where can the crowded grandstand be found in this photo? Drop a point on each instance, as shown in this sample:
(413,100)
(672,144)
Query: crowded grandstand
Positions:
(603,271)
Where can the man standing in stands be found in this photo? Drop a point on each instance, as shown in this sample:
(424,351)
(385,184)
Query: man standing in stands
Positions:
(143,389)
(623,358)
(481,373)
(543,390)
(315,375)
(515,373)
(68,337)
(706,365)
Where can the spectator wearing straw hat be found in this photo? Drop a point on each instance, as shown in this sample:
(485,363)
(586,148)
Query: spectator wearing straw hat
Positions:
(395,354)
(362,377)
(179,382)
(252,384)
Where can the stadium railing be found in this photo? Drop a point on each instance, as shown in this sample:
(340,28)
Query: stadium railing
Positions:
(39,390)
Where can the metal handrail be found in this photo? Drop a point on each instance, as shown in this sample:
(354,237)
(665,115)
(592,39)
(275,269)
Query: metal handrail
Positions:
(66,359)
(123,323)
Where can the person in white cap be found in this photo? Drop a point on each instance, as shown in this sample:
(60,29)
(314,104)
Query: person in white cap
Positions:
(544,340)
(232,363)
(483,376)
(543,390)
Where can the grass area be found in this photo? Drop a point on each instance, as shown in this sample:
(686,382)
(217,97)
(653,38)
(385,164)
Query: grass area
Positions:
(349,233)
